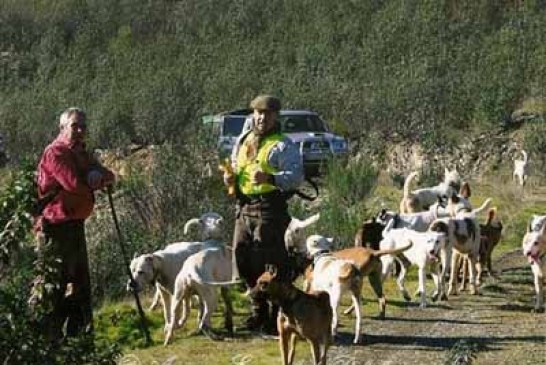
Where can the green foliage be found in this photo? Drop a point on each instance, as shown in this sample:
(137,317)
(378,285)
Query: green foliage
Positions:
(146,71)
(121,323)
(344,206)
(21,341)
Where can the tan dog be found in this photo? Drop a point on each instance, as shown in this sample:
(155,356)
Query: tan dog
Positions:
(306,315)
(368,263)
(335,276)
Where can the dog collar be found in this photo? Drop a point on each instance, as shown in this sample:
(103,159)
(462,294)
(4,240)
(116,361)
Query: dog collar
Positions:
(317,256)
(396,219)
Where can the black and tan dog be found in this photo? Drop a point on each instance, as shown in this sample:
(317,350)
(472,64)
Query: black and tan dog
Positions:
(307,315)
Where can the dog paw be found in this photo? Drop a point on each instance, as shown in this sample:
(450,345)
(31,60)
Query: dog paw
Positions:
(406,296)
(538,310)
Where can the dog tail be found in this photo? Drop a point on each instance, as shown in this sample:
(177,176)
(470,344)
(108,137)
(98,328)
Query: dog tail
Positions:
(407,184)
(490,216)
(392,251)
(347,271)
(482,208)
(524,156)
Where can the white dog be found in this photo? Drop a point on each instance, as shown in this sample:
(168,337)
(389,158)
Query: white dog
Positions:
(534,248)
(294,236)
(161,267)
(521,169)
(334,276)
(201,274)
(424,252)
(421,199)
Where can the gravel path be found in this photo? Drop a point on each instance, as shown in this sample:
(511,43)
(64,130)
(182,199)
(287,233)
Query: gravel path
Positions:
(497,327)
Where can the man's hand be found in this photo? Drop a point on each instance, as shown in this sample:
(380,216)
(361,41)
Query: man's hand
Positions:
(260,177)
(94,179)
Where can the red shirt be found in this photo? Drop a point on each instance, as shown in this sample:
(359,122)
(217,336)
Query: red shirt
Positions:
(64,165)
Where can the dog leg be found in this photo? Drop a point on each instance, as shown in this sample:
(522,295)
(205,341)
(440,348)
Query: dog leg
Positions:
(464,271)
(436,278)
(166,299)
(186,308)
(155,300)
(356,303)
(334,302)
(228,312)
(284,336)
(474,266)
(177,299)
(401,283)
(422,286)
(323,350)
(315,351)
(538,276)
(210,300)
(292,348)
(377,285)
(452,288)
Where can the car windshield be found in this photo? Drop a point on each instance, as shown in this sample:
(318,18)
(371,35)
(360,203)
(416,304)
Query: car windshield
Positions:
(233,125)
(302,123)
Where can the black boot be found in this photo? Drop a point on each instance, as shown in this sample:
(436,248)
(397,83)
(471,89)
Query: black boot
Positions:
(258,317)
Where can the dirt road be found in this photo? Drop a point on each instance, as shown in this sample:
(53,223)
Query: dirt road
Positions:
(497,327)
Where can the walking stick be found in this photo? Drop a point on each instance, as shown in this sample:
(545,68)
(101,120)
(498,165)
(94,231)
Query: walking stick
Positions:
(143,327)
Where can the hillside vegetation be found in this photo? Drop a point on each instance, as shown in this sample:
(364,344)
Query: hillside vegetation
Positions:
(147,70)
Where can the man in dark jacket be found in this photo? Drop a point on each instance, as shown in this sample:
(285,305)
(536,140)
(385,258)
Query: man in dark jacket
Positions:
(268,167)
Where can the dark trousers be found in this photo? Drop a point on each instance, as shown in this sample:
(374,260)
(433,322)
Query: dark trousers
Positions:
(259,240)
(71,300)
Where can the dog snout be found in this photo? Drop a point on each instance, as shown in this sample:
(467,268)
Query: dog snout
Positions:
(133,286)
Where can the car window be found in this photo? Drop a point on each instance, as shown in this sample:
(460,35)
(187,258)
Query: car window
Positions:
(301,123)
(233,125)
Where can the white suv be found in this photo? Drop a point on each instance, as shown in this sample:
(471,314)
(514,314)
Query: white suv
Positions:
(316,141)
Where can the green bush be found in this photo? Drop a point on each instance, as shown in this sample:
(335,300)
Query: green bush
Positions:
(21,341)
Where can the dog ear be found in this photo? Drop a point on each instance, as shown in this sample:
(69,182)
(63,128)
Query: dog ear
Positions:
(465,191)
(272,269)
(156,262)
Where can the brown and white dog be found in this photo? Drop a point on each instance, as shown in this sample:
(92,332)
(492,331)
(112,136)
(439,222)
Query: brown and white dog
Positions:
(463,239)
(335,276)
(421,199)
(534,248)
(307,315)
(521,169)
(490,235)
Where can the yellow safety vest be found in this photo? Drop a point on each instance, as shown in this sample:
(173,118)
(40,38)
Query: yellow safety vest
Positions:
(246,166)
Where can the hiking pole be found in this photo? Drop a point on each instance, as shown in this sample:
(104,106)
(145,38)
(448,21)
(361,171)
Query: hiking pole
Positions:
(143,327)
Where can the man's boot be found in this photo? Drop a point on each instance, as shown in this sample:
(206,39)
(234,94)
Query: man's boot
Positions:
(259,315)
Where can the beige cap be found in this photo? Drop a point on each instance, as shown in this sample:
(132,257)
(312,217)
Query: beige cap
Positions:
(266,102)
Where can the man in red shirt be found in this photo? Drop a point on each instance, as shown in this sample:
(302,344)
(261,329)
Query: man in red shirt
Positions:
(70,174)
